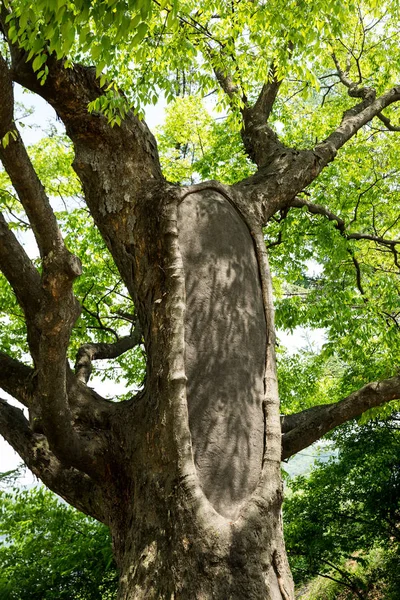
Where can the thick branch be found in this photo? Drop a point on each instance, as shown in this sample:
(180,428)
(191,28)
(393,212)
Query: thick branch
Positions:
(226,82)
(22,174)
(303,429)
(56,309)
(88,407)
(69,91)
(75,487)
(114,164)
(352,121)
(259,139)
(89,352)
(16,379)
(267,97)
(19,271)
(275,185)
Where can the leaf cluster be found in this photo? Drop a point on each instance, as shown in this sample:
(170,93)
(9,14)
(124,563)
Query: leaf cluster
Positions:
(49,550)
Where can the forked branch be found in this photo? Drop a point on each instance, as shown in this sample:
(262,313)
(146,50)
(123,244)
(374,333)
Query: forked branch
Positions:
(259,139)
(48,301)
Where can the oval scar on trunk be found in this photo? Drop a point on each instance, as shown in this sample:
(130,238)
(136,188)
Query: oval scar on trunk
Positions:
(225,346)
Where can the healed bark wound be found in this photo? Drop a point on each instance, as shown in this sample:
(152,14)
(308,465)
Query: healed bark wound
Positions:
(225,334)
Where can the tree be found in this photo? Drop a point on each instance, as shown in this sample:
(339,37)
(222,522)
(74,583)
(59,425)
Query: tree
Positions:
(347,508)
(186,474)
(52,551)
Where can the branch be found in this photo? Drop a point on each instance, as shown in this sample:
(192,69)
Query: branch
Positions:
(288,171)
(24,279)
(108,179)
(89,352)
(17,163)
(352,121)
(259,139)
(318,209)
(56,308)
(75,487)
(388,122)
(114,164)
(358,273)
(226,82)
(303,429)
(354,90)
(16,379)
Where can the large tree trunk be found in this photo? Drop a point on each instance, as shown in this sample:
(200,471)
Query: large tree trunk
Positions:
(189,470)
(200,517)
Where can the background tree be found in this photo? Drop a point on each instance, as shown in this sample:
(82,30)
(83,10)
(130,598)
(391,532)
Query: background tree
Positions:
(186,473)
(49,550)
(346,513)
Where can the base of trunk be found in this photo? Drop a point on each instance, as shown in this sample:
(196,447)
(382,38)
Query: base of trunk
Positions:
(186,558)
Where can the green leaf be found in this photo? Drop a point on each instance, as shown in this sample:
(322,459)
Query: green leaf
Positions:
(141,31)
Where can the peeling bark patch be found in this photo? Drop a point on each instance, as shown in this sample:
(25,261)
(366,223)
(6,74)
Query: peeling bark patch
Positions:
(225,345)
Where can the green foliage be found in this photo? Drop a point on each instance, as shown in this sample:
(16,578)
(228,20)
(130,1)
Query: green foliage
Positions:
(50,551)
(307,378)
(147,48)
(346,287)
(144,47)
(194,146)
(348,510)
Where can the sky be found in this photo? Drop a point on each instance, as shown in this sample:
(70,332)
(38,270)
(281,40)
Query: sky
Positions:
(42,118)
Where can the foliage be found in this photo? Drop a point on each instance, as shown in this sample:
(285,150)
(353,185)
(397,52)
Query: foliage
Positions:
(344,518)
(348,511)
(49,550)
(377,573)
(348,288)
(195,147)
(176,48)
(145,46)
